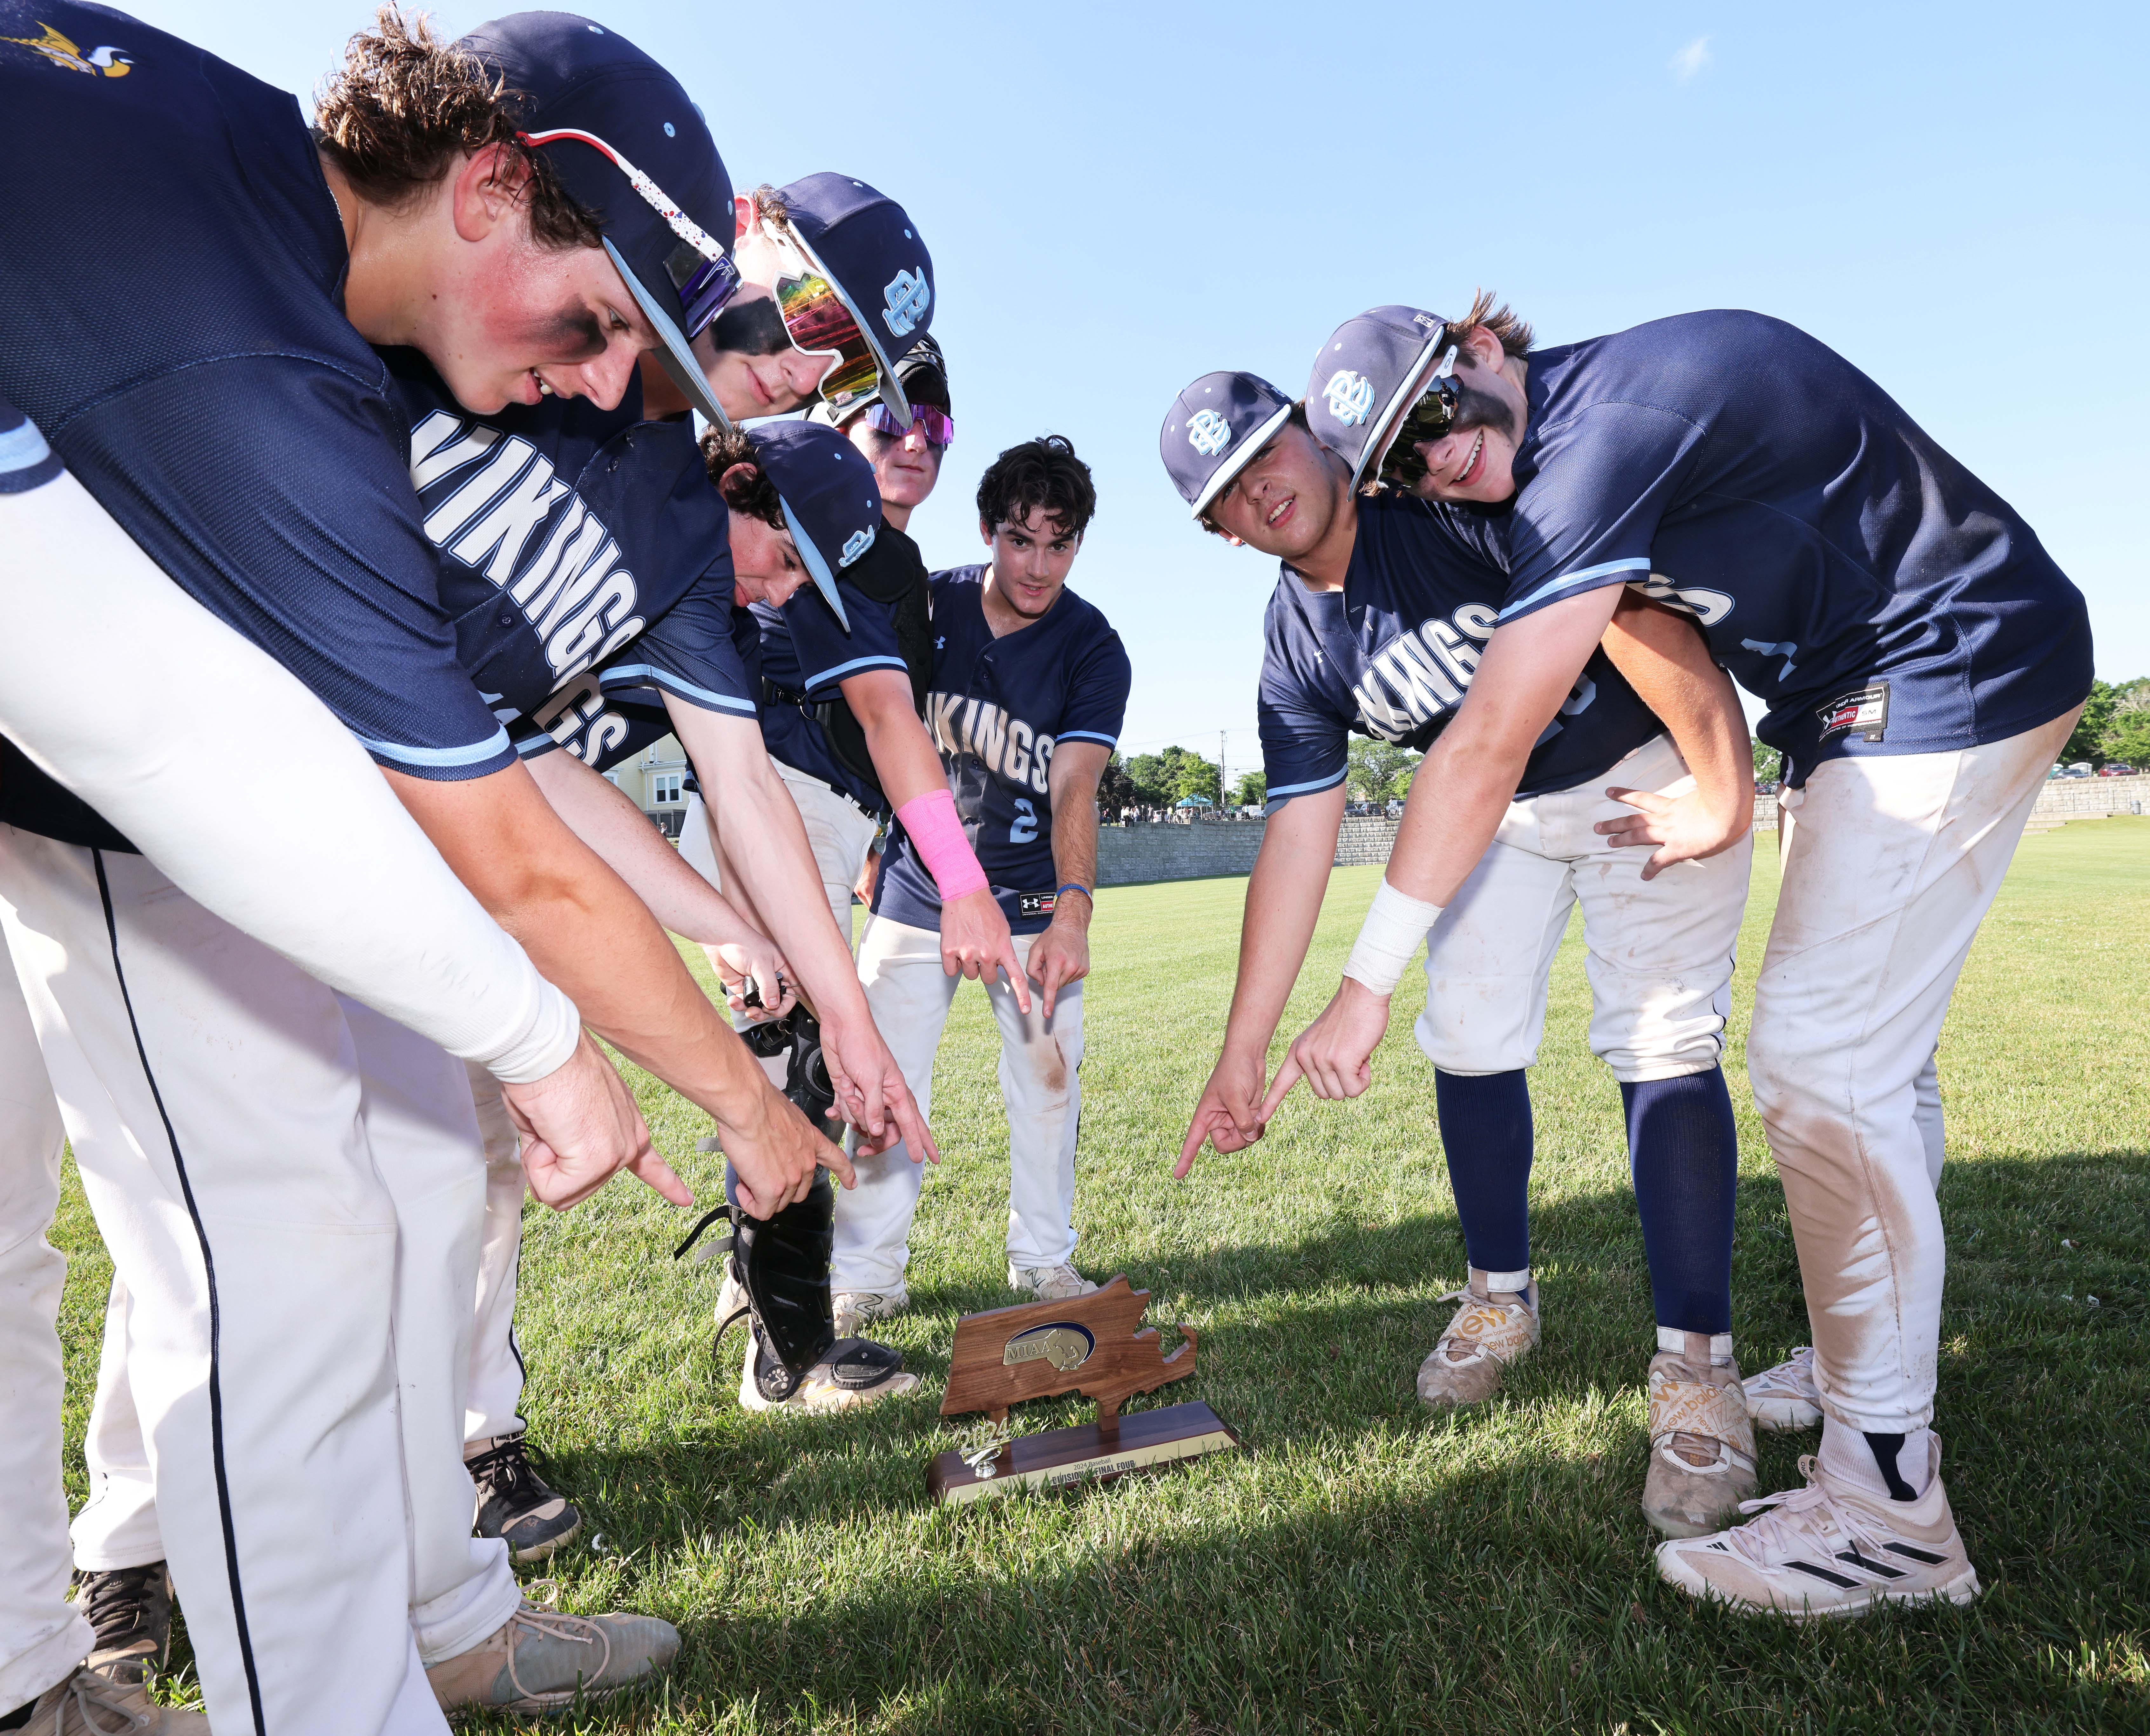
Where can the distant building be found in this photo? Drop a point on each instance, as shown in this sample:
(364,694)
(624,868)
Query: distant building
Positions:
(653,780)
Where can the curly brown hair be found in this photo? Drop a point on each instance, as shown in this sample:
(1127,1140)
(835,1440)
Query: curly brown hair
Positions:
(1490,313)
(404,105)
(756,496)
(1039,476)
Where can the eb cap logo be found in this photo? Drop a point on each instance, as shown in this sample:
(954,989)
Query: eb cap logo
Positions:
(908,295)
(1208,433)
(1350,396)
(857,544)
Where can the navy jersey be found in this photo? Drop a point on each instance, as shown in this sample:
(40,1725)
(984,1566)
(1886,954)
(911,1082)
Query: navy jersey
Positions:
(585,562)
(804,651)
(1391,655)
(1873,592)
(171,266)
(997,709)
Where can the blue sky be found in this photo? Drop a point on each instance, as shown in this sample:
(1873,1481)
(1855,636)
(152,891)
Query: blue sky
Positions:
(1120,197)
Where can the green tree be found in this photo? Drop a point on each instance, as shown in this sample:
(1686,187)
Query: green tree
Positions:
(1769,762)
(2125,740)
(1378,770)
(1163,778)
(1253,790)
(2088,741)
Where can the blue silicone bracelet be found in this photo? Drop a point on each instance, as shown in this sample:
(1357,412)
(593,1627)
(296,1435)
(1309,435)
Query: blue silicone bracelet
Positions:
(1072,887)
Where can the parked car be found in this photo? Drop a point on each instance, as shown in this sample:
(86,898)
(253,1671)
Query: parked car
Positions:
(2118,771)
(2080,769)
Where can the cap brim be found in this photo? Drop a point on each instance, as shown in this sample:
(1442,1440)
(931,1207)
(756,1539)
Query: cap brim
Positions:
(1390,418)
(817,568)
(1244,454)
(676,353)
(892,388)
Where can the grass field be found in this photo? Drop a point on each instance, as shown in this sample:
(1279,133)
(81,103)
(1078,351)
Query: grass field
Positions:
(1368,1567)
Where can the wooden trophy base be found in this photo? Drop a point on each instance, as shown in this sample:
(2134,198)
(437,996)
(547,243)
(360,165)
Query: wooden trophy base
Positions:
(1090,1451)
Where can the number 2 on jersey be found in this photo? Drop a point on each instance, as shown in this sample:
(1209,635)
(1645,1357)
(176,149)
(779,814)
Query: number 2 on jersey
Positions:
(1024,830)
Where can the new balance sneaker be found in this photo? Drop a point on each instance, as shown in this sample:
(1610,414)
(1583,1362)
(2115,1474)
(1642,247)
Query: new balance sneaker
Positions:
(854,1308)
(854,1371)
(89,1704)
(1049,1283)
(1829,1549)
(514,1503)
(1702,1443)
(129,1610)
(1784,1399)
(1491,1331)
(542,1660)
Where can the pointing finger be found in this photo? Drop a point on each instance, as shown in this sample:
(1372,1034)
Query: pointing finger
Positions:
(1288,1076)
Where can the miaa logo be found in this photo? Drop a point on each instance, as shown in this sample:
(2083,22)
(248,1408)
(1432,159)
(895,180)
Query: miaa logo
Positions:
(908,295)
(1350,396)
(1208,433)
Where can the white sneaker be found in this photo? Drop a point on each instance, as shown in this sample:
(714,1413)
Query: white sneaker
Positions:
(854,1308)
(1784,1399)
(1830,1549)
(1702,1442)
(1491,1331)
(1050,1283)
(855,1371)
(90,1705)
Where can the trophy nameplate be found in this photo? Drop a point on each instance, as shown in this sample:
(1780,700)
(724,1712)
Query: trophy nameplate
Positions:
(1096,1345)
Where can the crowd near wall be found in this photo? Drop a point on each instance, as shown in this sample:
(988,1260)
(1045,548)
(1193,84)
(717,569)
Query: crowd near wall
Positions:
(1215,848)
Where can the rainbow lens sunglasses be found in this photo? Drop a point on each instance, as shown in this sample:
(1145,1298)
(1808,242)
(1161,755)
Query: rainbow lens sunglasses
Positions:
(938,427)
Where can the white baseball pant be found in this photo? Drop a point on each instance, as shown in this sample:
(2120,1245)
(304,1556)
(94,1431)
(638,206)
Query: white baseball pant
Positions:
(246,1138)
(1660,951)
(43,1637)
(838,832)
(1892,863)
(909,995)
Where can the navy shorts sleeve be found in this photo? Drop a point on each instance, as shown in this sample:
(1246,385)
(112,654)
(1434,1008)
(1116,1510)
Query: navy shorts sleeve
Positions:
(1097,702)
(275,491)
(1306,746)
(26,461)
(825,655)
(1605,476)
(689,652)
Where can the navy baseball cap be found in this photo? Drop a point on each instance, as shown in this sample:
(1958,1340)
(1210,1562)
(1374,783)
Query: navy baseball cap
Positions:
(1213,431)
(830,501)
(868,248)
(1372,369)
(921,369)
(627,142)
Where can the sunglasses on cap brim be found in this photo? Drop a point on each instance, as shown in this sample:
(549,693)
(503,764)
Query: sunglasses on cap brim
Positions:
(937,425)
(699,267)
(820,320)
(1428,418)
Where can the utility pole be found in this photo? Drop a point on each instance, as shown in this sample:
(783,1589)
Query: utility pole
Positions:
(1224,772)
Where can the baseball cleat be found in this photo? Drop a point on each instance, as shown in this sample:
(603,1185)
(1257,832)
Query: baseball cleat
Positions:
(853,1308)
(1491,1331)
(1784,1399)
(1829,1549)
(544,1660)
(129,1610)
(514,1503)
(854,1371)
(1702,1443)
(1049,1283)
(89,1704)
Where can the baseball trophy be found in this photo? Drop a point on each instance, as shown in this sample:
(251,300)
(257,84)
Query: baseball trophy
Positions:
(1095,1344)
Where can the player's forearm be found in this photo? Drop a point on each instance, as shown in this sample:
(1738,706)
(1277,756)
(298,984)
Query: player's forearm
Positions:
(1076,768)
(1283,903)
(585,931)
(904,761)
(600,813)
(1667,661)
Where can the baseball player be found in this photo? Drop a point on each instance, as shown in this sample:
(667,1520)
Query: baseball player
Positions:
(1922,659)
(245,435)
(1376,626)
(1029,687)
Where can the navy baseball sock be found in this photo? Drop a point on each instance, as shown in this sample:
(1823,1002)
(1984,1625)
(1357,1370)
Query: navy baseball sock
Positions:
(1684,1147)
(1486,1130)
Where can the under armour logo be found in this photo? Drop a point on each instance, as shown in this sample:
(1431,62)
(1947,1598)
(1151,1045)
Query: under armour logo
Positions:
(1208,433)
(857,545)
(908,295)
(1350,396)
(941,643)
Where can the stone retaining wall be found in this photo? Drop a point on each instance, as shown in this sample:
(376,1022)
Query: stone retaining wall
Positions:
(1207,850)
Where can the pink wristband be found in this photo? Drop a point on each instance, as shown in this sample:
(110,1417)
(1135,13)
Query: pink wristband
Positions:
(930,822)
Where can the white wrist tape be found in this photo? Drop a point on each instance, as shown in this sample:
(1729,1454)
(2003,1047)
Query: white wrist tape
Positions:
(1395,928)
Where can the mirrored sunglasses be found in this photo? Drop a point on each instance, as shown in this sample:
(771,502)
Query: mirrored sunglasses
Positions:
(1429,419)
(937,426)
(818,324)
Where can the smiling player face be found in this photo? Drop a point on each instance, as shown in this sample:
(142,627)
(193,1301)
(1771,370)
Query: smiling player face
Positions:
(1030,562)
(1284,502)
(1475,460)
